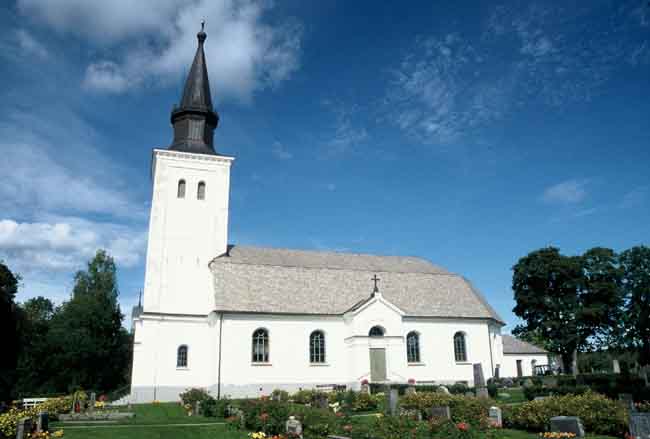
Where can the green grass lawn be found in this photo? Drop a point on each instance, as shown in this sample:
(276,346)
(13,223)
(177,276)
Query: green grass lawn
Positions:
(151,432)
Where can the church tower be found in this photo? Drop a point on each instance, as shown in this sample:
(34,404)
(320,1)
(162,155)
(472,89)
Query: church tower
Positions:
(188,226)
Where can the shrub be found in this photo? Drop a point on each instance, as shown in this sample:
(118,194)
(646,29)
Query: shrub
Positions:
(190,396)
(302,396)
(493,390)
(280,395)
(598,414)
(532,392)
(463,409)
(265,415)
(213,408)
(458,389)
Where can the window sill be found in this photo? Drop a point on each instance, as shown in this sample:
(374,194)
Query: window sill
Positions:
(182,368)
(261,364)
(463,363)
(319,364)
(417,364)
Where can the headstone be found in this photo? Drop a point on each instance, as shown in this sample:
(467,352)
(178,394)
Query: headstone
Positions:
(567,424)
(365,388)
(640,425)
(23,428)
(468,394)
(393,397)
(482,392)
(495,417)
(540,398)
(43,422)
(479,380)
(293,427)
(616,367)
(627,400)
(93,399)
(195,408)
(321,401)
(443,389)
(440,413)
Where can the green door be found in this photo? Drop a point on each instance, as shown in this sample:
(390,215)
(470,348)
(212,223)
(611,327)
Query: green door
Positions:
(377,365)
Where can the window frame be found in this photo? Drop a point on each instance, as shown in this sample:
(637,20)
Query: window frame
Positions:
(181,188)
(413,355)
(265,340)
(185,356)
(460,351)
(317,353)
(200,195)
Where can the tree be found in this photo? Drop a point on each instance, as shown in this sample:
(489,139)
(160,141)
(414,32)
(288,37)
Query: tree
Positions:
(90,349)
(8,289)
(546,285)
(601,298)
(33,370)
(635,263)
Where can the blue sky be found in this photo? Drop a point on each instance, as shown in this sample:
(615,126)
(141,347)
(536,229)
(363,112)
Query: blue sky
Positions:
(467,133)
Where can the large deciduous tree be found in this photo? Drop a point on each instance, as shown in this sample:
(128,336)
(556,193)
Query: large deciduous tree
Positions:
(8,320)
(546,286)
(635,264)
(90,347)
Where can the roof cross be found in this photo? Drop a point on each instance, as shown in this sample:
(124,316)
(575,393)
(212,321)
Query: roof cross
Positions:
(376,280)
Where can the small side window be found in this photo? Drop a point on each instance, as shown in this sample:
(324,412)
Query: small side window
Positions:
(181,189)
(200,191)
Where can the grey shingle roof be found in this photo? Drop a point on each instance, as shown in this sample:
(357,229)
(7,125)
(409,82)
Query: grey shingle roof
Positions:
(512,345)
(265,280)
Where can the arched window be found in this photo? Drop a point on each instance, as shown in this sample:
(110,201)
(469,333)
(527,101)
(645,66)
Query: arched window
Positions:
(376,331)
(181,189)
(261,346)
(181,356)
(413,347)
(200,191)
(317,347)
(460,347)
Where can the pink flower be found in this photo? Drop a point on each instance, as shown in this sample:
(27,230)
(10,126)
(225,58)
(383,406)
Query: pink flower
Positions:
(462,426)
(364,382)
(411,381)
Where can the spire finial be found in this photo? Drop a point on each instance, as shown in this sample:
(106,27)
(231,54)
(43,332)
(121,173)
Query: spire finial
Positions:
(202,35)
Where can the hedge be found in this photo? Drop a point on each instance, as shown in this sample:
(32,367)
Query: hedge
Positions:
(463,409)
(599,414)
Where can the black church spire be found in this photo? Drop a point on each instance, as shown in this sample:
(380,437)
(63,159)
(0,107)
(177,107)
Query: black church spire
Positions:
(194,120)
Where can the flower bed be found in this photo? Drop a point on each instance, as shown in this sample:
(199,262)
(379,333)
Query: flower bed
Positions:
(9,419)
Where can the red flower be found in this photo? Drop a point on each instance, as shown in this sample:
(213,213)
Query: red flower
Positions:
(364,381)
(462,426)
(347,428)
(264,417)
(411,381)
(339,414)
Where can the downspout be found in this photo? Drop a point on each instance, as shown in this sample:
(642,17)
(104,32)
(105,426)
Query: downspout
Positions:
(219,361)
(490,344)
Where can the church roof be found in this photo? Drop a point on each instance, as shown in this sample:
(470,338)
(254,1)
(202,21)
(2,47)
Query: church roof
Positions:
(512,345)
(267,280)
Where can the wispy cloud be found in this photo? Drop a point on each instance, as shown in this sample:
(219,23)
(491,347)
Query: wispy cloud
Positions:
(280,152)
(446,86)
(152,41)
(567,192)
(347,134)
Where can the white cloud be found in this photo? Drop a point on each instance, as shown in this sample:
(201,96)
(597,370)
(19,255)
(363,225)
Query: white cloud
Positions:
(566,192)
(347,134)
(67,244)
(29,44)
(157,40)
(281,152)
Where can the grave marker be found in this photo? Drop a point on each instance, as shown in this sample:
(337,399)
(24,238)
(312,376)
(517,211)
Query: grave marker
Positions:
(640,425)
(440,413)
(293,427)
(567,424)
(43,422)
(23,428)
(496,417)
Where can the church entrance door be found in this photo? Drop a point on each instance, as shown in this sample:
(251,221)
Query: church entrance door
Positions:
(377,364)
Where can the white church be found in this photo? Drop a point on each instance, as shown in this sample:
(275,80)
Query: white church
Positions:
(242,321)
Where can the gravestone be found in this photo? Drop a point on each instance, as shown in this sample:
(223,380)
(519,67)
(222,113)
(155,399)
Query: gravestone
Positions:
(469,394)
(393,397)
(293,427)
(195,408)
(627,400)
(495,417)
(540,398)
(640,425)
(43,422)
(567,424)
(440,413)
(410,390)
(443,389)
(321,401)
(93,399)
(479,381)
(365,388)
(23,428)
(616,367)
